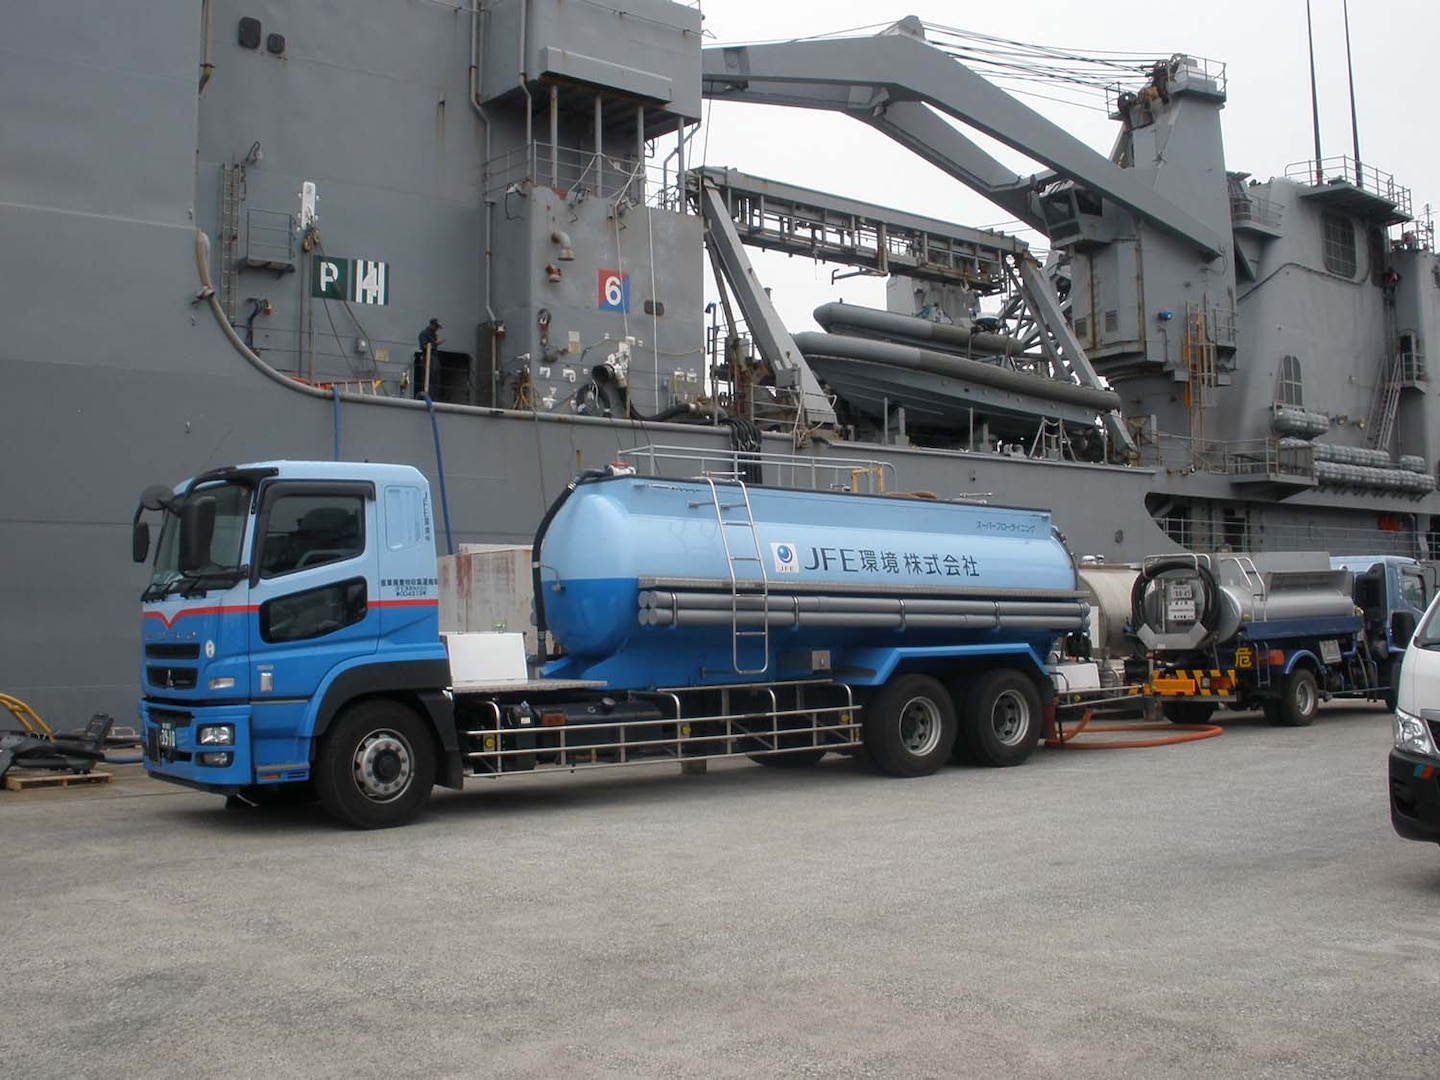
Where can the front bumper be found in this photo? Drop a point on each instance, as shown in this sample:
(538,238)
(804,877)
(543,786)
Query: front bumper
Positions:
(172,752)
(1415,796)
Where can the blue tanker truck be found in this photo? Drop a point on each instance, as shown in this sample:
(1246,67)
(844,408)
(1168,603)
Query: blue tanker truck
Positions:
(291,642)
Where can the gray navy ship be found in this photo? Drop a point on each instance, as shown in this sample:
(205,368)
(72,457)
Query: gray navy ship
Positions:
(225,225)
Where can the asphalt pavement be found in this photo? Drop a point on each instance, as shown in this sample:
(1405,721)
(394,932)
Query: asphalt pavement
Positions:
(1231,908)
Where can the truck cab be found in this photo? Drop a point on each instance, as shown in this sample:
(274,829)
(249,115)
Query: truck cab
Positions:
(1393,591)
(1414,757)
(278,592)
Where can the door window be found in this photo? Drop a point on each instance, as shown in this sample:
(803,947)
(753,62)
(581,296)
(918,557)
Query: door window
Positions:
(311,530)
(313,613)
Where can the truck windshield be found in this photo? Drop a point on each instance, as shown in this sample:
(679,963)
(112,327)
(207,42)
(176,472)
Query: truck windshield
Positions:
(222,560)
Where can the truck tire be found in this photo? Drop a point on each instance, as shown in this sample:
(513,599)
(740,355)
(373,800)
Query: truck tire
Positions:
(1002,720)
(1188,712)
(910,726)
(376,765)
(1299,700)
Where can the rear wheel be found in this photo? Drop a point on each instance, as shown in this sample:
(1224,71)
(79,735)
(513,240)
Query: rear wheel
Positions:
(1002,721)
(376,765)
(910,726)
(1299,700)
(1189,712)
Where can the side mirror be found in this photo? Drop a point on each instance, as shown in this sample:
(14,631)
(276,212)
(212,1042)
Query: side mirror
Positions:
(139,541)
(1402,628)
(156,497)
(197,532)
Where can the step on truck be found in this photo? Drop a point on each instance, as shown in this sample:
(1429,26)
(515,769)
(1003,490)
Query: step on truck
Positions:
(1278,631)
(291,643)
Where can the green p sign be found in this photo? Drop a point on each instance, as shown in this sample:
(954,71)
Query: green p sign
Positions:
(360,281)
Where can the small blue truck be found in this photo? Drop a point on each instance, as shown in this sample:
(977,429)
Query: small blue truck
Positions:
(1278,631)
(291,643)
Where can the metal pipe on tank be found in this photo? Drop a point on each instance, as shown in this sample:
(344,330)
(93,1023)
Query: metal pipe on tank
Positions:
(855,620)
(822,602)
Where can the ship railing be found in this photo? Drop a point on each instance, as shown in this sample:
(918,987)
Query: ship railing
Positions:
(1258,209)
(1255,457)
(1181,70)
(1346,170)
(868,476)
(582,173)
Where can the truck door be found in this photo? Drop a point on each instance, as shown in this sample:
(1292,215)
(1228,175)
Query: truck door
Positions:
(1415,594)
(311,584)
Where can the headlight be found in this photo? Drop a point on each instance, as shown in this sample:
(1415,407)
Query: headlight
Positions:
(216,735)
(216,760)
(1412,735)
(223,682)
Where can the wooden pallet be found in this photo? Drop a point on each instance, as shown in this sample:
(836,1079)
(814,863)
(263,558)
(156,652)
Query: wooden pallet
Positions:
(24,780)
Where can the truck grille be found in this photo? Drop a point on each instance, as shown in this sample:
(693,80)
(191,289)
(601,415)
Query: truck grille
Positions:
(171,678)
(165,650)
(1434,730)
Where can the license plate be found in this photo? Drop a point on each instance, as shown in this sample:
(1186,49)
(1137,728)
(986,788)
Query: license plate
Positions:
(160,744)
(1330,651)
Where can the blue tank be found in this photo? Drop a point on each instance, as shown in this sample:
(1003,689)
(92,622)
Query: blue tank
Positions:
(647,582)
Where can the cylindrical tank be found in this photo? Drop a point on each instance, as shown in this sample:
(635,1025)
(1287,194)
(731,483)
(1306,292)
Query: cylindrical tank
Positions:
(1107,590)
(1183,603)
(646,581)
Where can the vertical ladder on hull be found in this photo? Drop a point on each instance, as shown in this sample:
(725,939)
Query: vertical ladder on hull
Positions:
(232,194)
(735,558)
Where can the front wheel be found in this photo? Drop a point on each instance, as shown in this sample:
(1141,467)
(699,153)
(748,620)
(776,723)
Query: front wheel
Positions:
(376,765)
(910,726)
(1003,719)
(1299,700)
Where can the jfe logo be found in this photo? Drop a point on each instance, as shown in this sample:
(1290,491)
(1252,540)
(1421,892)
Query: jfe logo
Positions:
(614,290)
(787,560)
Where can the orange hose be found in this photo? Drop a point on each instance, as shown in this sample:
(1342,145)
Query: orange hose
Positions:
(1191,733)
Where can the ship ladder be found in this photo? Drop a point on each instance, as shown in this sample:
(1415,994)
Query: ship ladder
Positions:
(737,558)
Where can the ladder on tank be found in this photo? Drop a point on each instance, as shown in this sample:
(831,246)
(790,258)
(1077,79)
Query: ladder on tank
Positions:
(733,559)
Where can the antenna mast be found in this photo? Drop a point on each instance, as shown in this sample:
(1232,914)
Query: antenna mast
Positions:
(1354,123)
(1314,93)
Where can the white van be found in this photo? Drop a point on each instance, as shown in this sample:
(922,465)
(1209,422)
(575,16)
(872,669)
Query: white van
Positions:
(1415,757)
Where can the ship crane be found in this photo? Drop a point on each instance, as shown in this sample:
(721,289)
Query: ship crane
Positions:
(888,80)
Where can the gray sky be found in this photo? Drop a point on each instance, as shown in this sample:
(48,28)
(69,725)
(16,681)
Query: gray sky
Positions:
(1266,120)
